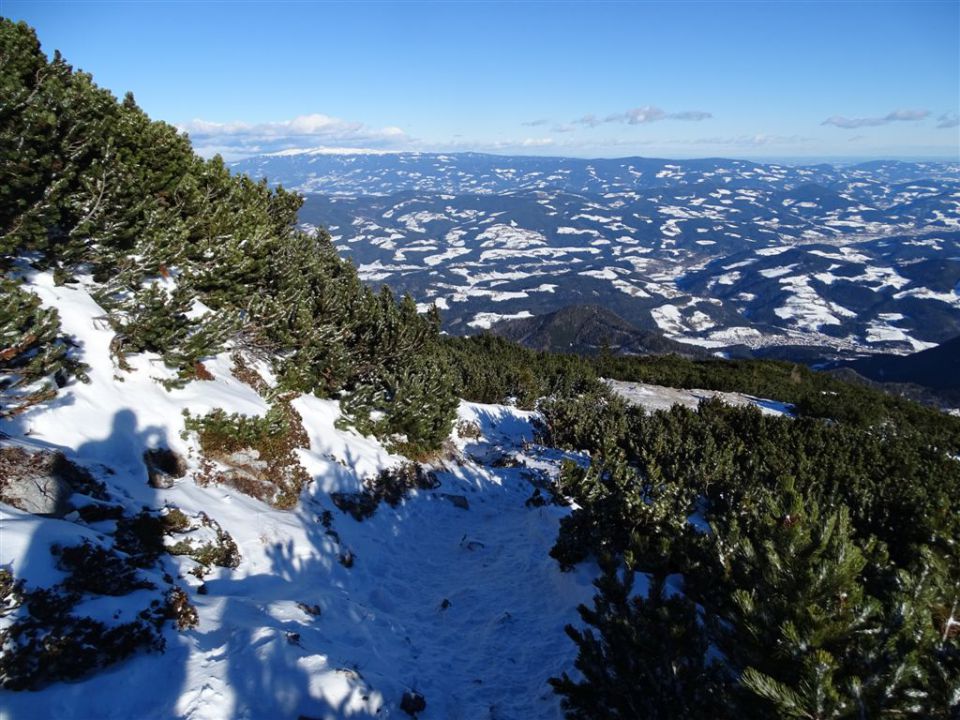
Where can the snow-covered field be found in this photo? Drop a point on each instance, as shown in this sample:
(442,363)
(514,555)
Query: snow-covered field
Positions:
(451,594)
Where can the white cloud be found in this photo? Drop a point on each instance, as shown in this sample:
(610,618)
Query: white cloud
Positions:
(651,113)
(896,116)
(236,139)
(589,120)
(639,116)
(756,140)
(536,142)
(948,120)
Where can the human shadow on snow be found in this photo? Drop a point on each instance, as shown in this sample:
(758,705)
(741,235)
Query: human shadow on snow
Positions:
(117,460)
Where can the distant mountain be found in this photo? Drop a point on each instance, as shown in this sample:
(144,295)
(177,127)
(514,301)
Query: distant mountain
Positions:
(937,368)
(819,262)
(588,329)
(329,172)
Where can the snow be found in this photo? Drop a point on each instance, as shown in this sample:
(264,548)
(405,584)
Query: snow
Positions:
(486,320)
(448,254)
(654,398)
(668,318)
(330,151)
(383,627)
(776,250)
(605,274)
(806,308)
(575,231)
(509,237)
(777,271)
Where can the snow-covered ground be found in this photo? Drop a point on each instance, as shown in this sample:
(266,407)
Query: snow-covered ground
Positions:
(452,594)
(658,397)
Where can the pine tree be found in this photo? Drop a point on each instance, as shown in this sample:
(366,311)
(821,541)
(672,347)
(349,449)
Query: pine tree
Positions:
(35,358)
(89,183)
(153,318)
(798,620)
(643,658)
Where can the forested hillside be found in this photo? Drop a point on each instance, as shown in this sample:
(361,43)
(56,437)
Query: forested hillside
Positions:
(319,506)
(184,256)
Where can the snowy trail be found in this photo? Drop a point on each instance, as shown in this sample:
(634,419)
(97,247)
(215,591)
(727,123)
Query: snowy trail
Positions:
(291,631)
(385,627)
(489,649)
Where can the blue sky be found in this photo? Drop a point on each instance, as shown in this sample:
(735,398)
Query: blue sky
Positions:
(677,79)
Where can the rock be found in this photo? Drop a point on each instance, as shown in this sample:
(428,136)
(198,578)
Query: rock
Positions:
(42,482)
(360,505)
(159,480)
(314,610)
(163,467)
(471,544)
(459,501)
(536,500)
(412,703)
(40,495)
(507,461)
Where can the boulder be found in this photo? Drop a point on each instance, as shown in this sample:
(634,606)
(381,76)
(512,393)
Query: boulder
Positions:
(459,501)
(412,703)
(42,482)
(163,467)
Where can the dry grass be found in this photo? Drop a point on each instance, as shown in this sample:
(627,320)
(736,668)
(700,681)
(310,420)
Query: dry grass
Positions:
(259,453)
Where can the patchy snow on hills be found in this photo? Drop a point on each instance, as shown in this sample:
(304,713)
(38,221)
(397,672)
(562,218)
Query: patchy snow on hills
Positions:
(636,234)
(451,594)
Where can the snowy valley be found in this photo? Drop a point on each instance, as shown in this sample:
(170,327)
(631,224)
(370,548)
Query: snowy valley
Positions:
(813,261)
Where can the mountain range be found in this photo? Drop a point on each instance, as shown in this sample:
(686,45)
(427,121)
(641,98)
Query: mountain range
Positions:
(817,262)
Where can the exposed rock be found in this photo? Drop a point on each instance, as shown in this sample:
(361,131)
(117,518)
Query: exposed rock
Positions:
(536,500)
(163,467)
(459,501)
(412,703)
(507,461)
(42,482)
(314,610)
(359,505)
(246,472)
(159,480)
(471,544)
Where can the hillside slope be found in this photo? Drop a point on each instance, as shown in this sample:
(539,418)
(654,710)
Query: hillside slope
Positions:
(937,367)
(236,482)
(841,260)
(435,597)
(588,329)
